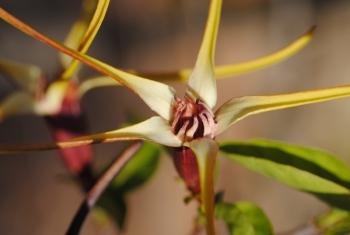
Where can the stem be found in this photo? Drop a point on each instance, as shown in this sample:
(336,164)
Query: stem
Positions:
(207,194)
(206,151)
(100,186)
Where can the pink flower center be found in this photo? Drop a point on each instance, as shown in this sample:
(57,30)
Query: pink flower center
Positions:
(192,119)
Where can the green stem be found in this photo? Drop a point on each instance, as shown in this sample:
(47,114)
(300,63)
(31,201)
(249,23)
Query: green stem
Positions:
(206,151)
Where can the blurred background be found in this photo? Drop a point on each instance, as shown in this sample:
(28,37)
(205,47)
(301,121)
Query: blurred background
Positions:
(36,197)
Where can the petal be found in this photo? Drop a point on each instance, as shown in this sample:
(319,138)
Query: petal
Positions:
(238,108)
(202,82)
(206,151)
(25,75)
(268,60)
(155,129)
(96,82)
(83,32)
(158,96)
(52,101)
(229,70)
(221,71)
(17,103)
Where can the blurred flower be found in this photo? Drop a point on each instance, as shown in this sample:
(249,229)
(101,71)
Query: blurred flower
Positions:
(58,101)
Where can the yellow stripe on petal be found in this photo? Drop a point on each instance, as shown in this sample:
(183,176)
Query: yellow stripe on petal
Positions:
(158,96)
(154,129)
(239,108)
(83,32)
(202,81)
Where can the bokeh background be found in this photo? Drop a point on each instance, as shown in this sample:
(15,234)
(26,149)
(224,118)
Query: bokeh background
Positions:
(37,198)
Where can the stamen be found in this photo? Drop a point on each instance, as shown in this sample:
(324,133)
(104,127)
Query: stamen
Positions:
(193,129)
(192,119)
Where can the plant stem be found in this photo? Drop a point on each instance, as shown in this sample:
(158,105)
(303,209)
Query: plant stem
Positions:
(100,186)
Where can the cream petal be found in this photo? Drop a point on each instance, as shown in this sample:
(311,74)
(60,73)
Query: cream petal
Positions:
(17,103)
(155,129)
(202,81)
(51,103)
(239,108)
(25,75)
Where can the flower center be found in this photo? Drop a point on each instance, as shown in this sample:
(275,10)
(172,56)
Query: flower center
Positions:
(192,119)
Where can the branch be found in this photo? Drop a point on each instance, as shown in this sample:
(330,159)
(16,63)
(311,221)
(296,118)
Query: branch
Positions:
(100,186)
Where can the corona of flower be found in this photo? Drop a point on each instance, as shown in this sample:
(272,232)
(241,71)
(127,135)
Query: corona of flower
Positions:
(191,121)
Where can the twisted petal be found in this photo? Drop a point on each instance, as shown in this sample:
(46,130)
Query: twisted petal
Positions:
(154,129)
(206,151)
(202,82)
(83,32)
(158,96)
(25,75)
(17,103)
(239,108)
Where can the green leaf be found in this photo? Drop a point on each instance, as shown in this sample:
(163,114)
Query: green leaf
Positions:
(305,169)
(113,203)
(137,172)
(335,222)
(244,218)
(139,169)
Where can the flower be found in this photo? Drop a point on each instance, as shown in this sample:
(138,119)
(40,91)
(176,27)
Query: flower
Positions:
(58,101)
(189,122)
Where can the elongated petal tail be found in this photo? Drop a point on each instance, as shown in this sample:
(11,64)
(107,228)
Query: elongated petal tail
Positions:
(83,33)
(229,70)
(239,108)
(154,129)
(286,52)
(202,82)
